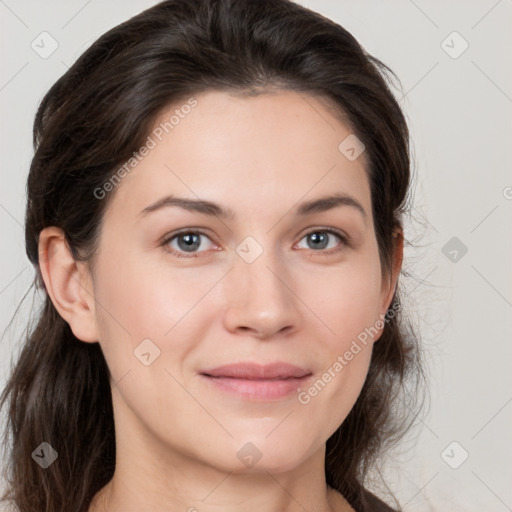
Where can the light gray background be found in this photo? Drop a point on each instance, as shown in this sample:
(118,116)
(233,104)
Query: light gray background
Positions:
(460,112)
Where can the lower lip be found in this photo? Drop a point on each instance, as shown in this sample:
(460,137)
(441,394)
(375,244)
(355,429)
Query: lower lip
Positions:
(258,389)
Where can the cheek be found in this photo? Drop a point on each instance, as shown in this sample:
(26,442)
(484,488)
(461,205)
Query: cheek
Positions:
(142,298)
(130,309)
(345,300)
(138,300)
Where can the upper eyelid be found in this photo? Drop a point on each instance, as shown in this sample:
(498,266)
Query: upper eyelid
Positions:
(171,236)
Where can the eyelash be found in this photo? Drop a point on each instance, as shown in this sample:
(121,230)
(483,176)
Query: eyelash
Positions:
(172,236)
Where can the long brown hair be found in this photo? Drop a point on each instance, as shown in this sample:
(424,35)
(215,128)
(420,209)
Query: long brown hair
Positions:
(91,121)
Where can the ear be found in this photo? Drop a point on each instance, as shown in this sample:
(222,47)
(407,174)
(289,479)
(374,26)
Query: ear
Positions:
(68,283)
(389,285)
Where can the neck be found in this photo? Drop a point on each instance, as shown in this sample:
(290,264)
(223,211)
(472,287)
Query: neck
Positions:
(151,475)
(154,482)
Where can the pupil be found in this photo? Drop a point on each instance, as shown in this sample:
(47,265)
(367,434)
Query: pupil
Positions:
(189,241)
(317,236)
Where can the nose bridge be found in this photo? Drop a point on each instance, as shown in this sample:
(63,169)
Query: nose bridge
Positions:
(259,297)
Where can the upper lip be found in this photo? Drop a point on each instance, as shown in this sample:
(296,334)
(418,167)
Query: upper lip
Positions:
(254,371)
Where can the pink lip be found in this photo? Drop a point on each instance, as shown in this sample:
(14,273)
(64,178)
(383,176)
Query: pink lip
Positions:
(253,371)
(258,382)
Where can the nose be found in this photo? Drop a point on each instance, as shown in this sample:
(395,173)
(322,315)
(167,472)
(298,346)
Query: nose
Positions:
(260,300)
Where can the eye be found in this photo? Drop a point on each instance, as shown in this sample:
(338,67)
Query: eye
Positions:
(319,239)
(187,242)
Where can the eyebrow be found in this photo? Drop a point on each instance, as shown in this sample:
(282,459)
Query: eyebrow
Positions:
(318,205)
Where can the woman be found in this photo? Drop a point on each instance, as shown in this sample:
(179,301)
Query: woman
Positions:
(214,212)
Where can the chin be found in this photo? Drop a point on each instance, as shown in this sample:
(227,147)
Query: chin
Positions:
(263,454)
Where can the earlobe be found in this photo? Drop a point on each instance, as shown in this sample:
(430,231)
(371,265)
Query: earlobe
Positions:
(68,284)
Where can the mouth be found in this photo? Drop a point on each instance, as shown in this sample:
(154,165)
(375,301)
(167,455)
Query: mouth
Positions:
(257,382)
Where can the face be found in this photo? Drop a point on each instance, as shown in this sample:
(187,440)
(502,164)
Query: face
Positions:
(181,291)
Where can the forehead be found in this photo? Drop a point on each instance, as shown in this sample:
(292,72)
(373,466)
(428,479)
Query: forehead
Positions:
(272,149)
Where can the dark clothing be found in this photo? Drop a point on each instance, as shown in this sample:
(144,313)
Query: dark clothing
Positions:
(373,504)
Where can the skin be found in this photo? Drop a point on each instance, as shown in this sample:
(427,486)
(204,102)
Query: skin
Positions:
(177,437)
